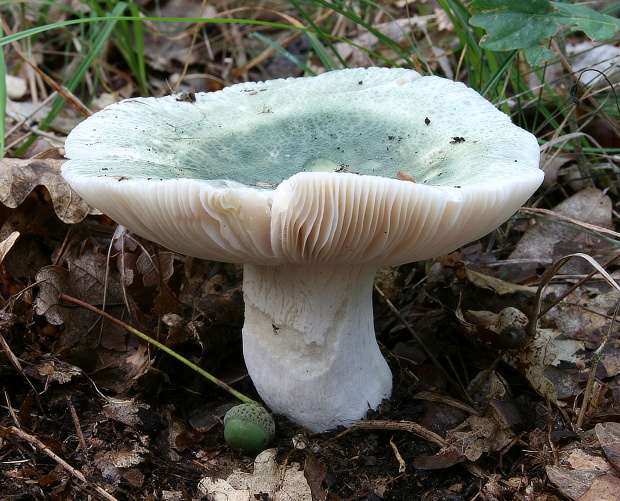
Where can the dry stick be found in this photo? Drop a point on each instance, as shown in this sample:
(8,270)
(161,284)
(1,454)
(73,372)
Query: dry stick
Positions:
(161,346)
(18,367)
(189,51)
(592,376)
(65,93)
(76,424)
(592,227)
(402,466)
(63,464)
(444,399)
(9,406)
(416,429)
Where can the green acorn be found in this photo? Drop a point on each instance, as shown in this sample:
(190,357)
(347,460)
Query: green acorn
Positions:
(248,428)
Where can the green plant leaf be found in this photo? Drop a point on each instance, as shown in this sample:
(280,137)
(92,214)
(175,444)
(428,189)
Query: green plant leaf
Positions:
(528,24)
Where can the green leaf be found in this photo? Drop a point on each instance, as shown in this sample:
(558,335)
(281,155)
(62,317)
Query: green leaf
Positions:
(538,55)
(528,24)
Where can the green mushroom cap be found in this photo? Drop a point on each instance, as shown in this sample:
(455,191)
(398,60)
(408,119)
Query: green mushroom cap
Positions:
(248,428)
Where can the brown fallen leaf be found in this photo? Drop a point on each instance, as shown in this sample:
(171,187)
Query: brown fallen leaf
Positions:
(580,459)
(7,244)
(609,436)
(604,488)
(157,269)
(572,483)
(114,464)
(91,343)
(55,370)
(280,482)
(315,474)
(124,410)
(488,282)
(546,241)
(538,359)
(19,177)
(503,331)
(88,278)
(471,439)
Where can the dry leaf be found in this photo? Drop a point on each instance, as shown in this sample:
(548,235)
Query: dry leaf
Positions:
(605,488)
(488,282)
(281,483)
(19,177)
(91,342)
(315,474)
(578,459)
(156,270)
(468,441)
(609,436)
(217,489)
(7,244)
(548,348)
(114,464)
(539,242)
(88,279)
(124,410)
(505,330)
(54,370)
(572,483)
(477,435)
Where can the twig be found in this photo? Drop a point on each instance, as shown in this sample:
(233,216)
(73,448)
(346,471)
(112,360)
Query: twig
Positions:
(402,466)
(422,432)
(9,406)
(37,444)
(598,354)
(444,399)
(65,93)
(416,429)
(592,227)
(76,424)
(161,346)
(18,367)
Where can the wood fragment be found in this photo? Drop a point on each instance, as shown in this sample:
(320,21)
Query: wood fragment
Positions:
(402,467)
(40,446)
(76,424)
(409,426)
(401,176)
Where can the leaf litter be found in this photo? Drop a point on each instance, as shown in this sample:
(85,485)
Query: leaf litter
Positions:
(484,407)
(555,363)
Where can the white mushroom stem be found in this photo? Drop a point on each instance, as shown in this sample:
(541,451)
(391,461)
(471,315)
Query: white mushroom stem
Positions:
(309,342)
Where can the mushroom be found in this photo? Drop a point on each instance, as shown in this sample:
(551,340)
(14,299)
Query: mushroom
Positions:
(311,183)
